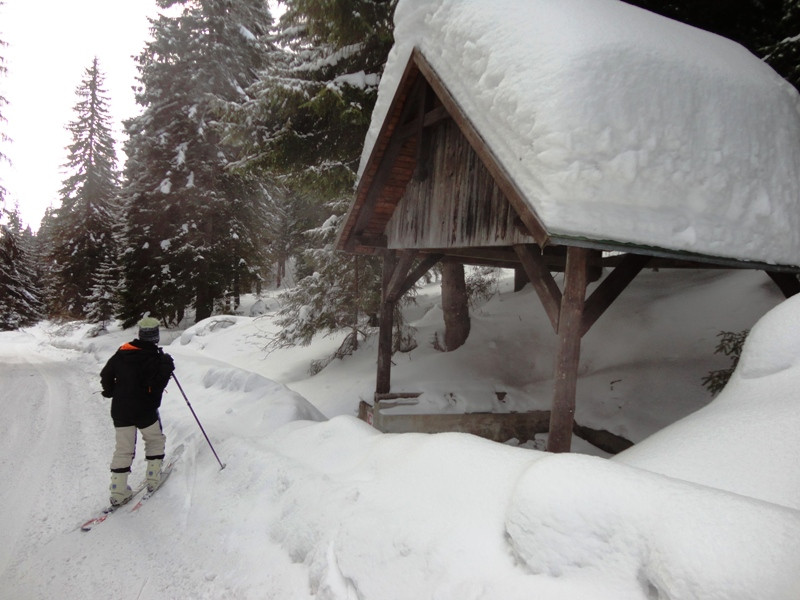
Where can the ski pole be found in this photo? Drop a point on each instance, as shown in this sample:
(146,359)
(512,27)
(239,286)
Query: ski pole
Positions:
(221,465)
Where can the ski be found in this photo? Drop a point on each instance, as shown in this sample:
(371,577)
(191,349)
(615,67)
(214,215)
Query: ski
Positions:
(165,471)
(111,509)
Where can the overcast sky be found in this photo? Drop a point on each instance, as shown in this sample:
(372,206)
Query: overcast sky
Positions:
(50,45)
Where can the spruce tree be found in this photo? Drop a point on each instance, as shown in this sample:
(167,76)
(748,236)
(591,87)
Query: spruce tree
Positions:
(303,124)
(81,228)
(783,52)
(193,227)
(20,298)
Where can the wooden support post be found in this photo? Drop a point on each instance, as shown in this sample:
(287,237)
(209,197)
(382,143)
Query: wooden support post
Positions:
(386,322)
(562,415)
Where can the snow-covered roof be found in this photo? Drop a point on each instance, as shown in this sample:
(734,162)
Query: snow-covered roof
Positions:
(617,124)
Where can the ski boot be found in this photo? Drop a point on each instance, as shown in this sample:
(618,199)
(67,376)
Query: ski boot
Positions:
(119,488)
(153,473)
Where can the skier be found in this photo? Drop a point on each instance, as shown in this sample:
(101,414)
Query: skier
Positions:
(135,378)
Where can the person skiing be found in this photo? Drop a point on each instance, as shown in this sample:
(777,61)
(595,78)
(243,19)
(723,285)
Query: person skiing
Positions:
(134,378)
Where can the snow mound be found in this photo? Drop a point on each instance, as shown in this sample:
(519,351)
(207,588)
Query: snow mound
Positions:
(243,402)
(745,441)
(208,326)
(773,345)
(580,517)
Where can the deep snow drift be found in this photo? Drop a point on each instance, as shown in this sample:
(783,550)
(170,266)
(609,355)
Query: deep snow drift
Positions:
(329,508)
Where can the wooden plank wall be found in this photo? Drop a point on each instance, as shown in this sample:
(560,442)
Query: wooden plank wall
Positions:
(457,205)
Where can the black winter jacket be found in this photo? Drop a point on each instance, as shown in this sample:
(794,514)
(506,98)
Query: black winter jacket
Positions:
(135,378)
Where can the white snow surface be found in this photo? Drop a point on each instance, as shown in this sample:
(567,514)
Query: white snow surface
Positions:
(618,124)
(314,503)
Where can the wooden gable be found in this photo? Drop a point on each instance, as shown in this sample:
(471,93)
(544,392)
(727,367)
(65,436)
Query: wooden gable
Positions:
(453,201)
(431,162)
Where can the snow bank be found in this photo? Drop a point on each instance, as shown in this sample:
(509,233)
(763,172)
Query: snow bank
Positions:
(618,124)
(773,345)
(640,535)
(746,440)
(453,516)
(244,403)
(403,516)
(208,326)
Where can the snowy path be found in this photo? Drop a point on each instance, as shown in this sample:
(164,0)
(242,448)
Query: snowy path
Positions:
(48,421)
(201,537)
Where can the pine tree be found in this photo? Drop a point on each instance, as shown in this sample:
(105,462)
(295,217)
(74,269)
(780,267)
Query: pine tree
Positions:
(783,52)
(193,227)
(81,229)
(332,297)
(305,119)
(20,298)
(303,124)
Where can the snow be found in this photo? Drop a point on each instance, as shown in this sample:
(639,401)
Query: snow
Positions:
(741,412)
(314,503)
(616,123)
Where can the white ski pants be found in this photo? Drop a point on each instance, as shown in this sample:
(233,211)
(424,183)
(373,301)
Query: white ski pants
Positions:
(154,444)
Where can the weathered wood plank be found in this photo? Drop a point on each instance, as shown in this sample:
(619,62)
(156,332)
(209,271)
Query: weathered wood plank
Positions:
(542,281)
(457,204)
(562,414)
(498,172)
(611,287)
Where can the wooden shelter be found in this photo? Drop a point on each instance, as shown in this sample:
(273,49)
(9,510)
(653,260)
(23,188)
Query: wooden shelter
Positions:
(432,189)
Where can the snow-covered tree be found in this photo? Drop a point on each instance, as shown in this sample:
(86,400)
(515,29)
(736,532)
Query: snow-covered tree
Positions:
(102,303)
(303,125)
(332,297)
(193,227)
(783,53)
(20,298)
(305,119)
(80,237)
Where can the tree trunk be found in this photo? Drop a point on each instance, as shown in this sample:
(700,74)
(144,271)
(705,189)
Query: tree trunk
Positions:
(204,304)
(454,305)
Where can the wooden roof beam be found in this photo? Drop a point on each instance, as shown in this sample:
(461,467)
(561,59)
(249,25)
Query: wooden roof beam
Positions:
(611,287)
(399,273)
(425,265)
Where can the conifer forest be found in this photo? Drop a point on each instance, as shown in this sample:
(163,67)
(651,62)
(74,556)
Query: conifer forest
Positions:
(241,162)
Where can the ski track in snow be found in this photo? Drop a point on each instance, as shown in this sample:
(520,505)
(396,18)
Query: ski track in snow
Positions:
(40,428)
